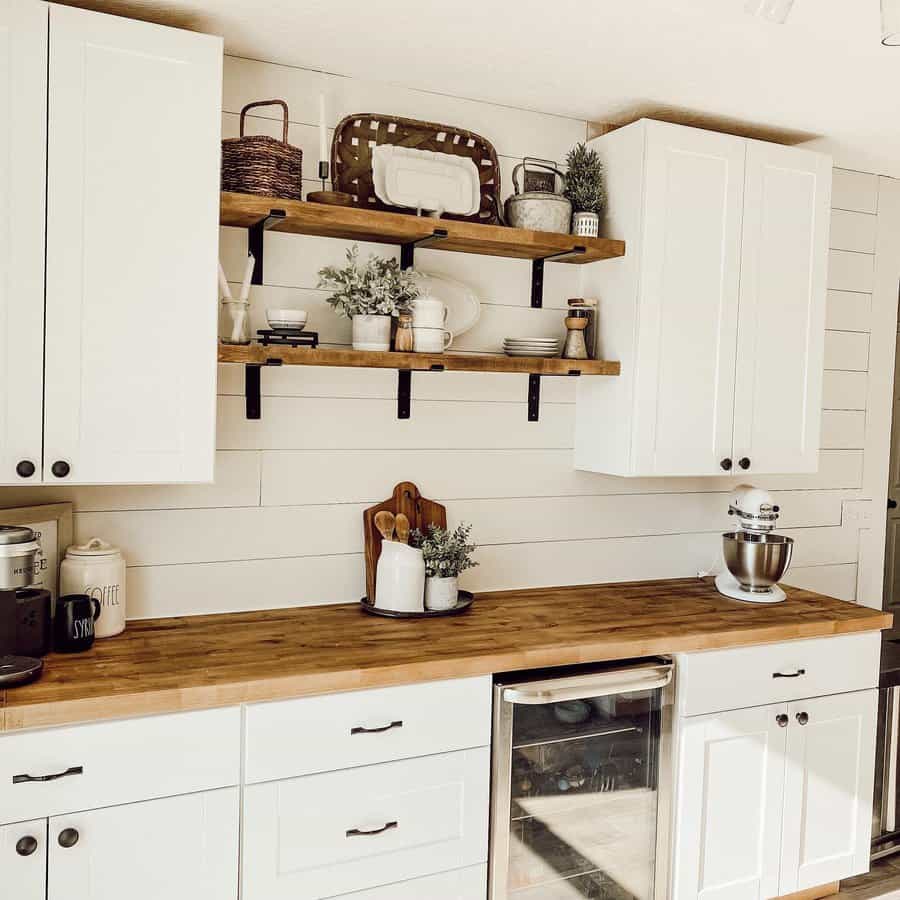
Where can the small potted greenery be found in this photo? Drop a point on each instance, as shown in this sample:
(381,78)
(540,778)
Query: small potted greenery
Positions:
(584,189)
(369,294)
(447,554)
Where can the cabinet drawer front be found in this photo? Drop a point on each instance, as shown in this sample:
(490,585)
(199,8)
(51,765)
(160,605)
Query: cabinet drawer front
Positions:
(339,832)
(776,673)
(339,731)
(92,766)
(463,884)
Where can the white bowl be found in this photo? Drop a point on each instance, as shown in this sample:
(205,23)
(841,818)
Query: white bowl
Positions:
(286,318)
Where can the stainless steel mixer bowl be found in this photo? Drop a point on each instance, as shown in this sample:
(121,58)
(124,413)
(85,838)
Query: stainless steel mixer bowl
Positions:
(757,561)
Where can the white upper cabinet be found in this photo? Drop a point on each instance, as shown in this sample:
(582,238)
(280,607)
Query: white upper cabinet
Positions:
(781,331)
(23,112)
(716,311)
(132,246)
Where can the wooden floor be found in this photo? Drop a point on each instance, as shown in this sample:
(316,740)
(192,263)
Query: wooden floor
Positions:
(882,881)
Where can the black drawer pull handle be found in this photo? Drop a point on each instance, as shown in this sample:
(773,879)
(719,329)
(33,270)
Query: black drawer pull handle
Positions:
(796,674)
(74,770)
(362,832)
(359,729)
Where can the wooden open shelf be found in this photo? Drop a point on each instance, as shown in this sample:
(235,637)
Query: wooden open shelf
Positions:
(257,354)
(355,224)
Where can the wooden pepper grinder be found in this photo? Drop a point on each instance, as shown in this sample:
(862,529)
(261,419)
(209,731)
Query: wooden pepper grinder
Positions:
(403,340)
(576,321)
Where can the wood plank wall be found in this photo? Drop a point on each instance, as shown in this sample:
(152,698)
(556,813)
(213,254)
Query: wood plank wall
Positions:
(281,526)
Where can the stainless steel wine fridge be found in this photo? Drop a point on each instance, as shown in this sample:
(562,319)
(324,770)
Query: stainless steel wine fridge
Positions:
(581,790)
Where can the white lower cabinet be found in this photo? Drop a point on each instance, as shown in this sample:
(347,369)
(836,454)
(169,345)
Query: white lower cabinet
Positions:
(179,848)
(23,860)
(335,833)
(774,799)
(461,884)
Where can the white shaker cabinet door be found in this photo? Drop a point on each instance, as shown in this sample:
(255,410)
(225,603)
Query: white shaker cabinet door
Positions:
(23,145)
(180,848)
(729,806)
(132,247)
(778,394)
(23,860)
(690,278)
(828,789)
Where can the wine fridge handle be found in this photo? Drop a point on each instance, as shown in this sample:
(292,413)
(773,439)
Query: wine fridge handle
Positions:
(600,685)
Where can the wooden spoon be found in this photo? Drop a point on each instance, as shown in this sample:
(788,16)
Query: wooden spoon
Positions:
(402,523)
(384,522)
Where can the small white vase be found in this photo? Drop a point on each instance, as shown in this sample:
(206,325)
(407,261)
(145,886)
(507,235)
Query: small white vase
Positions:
(441,593)
(371,332)
(586,224)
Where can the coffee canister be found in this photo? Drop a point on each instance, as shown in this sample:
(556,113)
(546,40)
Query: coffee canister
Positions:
(97,569)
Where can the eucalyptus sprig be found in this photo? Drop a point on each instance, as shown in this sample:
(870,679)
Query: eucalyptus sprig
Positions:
(378,287)
(446,553)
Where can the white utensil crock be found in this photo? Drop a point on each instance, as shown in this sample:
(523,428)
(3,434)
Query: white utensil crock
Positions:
(400,578)
(371,332)
(98,570)
(441,593)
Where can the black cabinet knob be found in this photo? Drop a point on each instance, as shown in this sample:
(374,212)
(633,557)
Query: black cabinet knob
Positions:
(25,469)
(25,846)
(725,464)
(892,504)
(802,717)
(744,462)
(60,468)
(782,720)
(68,837)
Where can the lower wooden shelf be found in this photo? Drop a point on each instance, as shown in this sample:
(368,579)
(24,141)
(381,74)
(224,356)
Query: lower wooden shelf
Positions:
(257,354)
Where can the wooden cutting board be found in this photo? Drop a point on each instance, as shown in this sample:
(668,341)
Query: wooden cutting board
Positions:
(420,511)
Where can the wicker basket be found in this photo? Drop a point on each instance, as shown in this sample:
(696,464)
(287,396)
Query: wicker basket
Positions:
(356,135)
(259,164)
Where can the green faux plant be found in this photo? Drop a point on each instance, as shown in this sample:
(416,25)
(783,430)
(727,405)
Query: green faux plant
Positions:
(446,553)
(584,180)
(379,287)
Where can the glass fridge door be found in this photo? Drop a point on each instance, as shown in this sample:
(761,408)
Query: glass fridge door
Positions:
(577,785)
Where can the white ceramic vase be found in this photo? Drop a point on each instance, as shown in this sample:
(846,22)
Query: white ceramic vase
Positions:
(441,593)
(586,224)
(399,577)
(371,332)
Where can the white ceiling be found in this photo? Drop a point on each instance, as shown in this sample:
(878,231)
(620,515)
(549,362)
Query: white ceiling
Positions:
(824,74)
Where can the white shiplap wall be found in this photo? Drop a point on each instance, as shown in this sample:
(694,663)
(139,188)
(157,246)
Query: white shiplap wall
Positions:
(282,524)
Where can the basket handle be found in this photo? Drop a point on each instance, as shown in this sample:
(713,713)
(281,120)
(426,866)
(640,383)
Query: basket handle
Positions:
(535,164)
(280,103)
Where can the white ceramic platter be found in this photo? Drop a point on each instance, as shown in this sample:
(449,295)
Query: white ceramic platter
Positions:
(424,179)
(544,354)
(463,307)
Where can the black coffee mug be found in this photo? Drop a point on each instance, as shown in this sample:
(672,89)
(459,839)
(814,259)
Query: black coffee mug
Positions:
(73,626)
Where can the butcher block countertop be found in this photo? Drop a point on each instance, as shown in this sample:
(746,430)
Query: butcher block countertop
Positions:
(168,665)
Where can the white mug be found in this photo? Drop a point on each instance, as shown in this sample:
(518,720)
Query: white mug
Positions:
(428,312)
(431,340)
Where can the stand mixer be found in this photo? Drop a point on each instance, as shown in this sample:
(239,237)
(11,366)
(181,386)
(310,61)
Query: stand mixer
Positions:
(756,558)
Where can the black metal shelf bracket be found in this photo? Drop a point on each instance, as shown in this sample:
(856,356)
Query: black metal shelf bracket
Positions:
(252,392)
(407,250)
(255,241)
(534,394)
(404,392)
(537,273)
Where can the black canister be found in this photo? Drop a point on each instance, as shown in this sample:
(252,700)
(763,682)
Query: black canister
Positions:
(73,625)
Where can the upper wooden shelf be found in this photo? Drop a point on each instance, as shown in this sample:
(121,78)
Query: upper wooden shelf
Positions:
(257,354)
(354,224)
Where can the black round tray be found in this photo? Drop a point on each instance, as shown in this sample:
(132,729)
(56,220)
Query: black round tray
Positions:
(463,602)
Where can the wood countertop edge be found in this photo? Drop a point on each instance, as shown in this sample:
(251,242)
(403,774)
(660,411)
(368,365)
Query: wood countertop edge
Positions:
(209,696)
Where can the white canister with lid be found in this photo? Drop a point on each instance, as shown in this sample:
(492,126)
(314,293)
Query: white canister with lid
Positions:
(98,570)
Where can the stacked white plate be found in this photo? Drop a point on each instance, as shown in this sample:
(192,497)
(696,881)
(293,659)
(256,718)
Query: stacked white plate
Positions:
(542,347)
